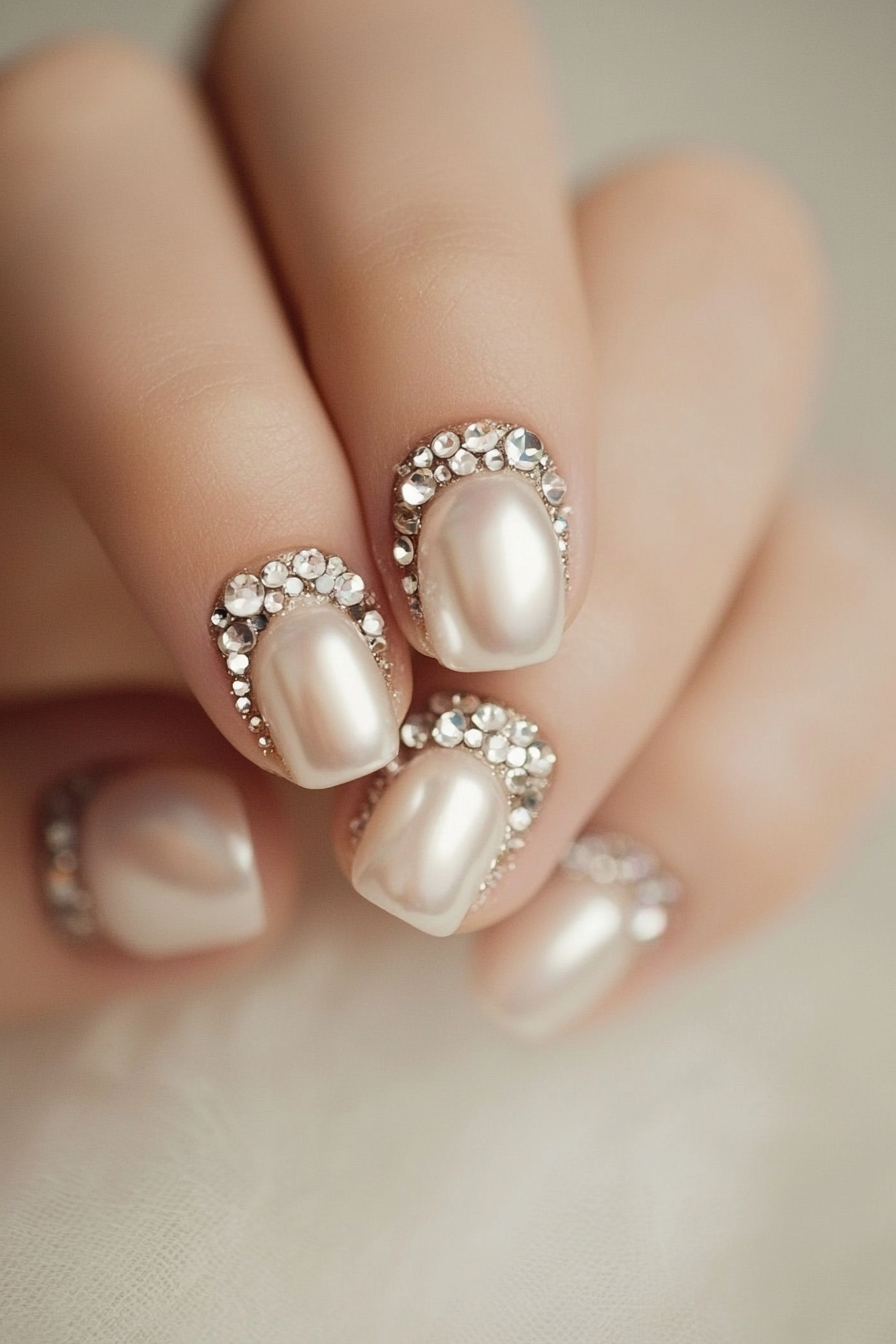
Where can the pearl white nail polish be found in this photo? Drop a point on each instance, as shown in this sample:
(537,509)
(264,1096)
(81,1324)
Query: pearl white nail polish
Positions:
(431,840)
(550,964)
(324,698)
(167,857)
(491,577)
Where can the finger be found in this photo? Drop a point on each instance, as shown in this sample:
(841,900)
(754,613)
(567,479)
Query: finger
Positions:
(138,850)
(144,350)
(780,742)
(703,292)
(404,160)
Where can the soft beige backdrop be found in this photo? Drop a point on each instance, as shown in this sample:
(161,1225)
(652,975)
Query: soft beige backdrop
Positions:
(337,1150)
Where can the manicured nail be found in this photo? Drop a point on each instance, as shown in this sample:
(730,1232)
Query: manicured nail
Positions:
(305,648)
(556,960)
(482,542)
(443,822)
(158,860)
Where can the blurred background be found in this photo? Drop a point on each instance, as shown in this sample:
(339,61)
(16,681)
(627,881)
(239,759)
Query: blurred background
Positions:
(722,1170)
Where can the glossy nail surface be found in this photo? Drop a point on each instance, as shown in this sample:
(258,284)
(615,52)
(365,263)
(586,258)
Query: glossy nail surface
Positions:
(167,857)
(556,959)
(491,578)
(324,698)
(431,840)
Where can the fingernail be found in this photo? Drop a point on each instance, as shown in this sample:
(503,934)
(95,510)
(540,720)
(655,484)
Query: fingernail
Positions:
(482,538)
(305,647)
(556,960)
(445,820)
(158,860)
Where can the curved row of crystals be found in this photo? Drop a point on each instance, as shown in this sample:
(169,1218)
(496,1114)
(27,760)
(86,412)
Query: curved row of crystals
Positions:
(454,454)
(489,732)
(249,602)
(68,901)
(615,861)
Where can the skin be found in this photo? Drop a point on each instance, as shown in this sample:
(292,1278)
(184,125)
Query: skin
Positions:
(156,262)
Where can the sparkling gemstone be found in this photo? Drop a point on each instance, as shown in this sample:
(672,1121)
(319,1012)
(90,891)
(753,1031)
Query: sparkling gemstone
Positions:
(517,756)
(237,638)
(423,457)
(553,486)
(523,733)
(409,583)
(335,566)
(243,595)
(373,623)
(531,801)
(415,608)
(473,738)
(442,474)
(237,662)
(418,487)
(494,459)
(517,781)
(520,819)
(463,463)
(403,551)
(274,602)
(309,564)
(376,643)
(240,687)
(445,444)
(259,622)
(561,527)
(466,703)
(448,729)
(523,449)
(256,723)
(243,704)
(496,747)
(542,759)
(60,834)
(515,842)
(647,922)
(275,574)
(481,436)
(490,717)
(440,701)
(660,890)
(293,586)
(220,617)
(349,590)
(406,519)
(562,547)
(415,731)
(325,584)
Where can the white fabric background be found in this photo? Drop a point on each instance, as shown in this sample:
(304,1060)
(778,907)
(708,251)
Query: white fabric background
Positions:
(336,1150)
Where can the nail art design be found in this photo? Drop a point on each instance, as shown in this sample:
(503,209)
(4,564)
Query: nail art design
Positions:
(646,891)
(157,860)
(305,646)
(445,820)
(482,542)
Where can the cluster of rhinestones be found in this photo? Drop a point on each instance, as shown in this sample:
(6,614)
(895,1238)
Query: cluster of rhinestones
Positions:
(648,891)
(68,901)
(485,447)
(508,742)
(249,602)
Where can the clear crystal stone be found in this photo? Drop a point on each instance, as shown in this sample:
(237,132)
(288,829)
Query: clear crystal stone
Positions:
(496,748)
(60,834)
(481,436)
(490,717)
(275,574)
(664,889)
(562,547)
(403,551)
(406,519)
(647,922)
(220,617)
(448,729)
(466,703)
(325,584)
(542,759)
(517,781)
(409,583)
(293,586)
(256,723)
(237,638)
(243,704)
(415,731)
(274,602)
(517,756)
(439,702)
(335,566)
(553,486)
(442,473)
(418,487)
(309,564)
(494,459)
(237,662)
(240,687)
(561,527)
(445,444)
(376,643)
(523,733)
(373,623)
(523,449)
(422,457)
(520,819)
(473,738)
(463,463)
(531,801)
(244,595)
(349,590)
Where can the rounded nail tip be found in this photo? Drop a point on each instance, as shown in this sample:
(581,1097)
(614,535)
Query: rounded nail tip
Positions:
(319,777)
(440,924)
(204,927)
(500,660)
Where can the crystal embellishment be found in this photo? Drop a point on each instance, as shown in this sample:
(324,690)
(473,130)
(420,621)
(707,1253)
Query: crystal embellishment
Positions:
(243,595)
(524,449)
(646,892)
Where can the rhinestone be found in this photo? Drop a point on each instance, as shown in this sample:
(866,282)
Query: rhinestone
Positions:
(562,547)
(237,662)
(415,731)
(373,623)
(647,922)
(265,743)
(494,459)
(517,781)
(517,756)
(542,759)
(61,889)
(439,702)
(422,457)
(561,527)
(403,551)
(418,487)
(293,586)
(415,608)
(473,738)
(60,834)
(442,474)
(520,819)
(490,717)
(531,802)
(259,623)
(256,723)
(275,574)
(463,463)
(324,585)
(237,638)
(220,617)
(309,564)
(445,444)
(661,890)
(465,703)
(409,583)
(637,864)
(481,436)
(406,519)
(335,566)
(349,590)
(240,687)
(523,449)
(274,602)
(553,486)
(448,729)
(523,733)
(376,644)
(515,842)
(496,748)
(243,595)
(243,704)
